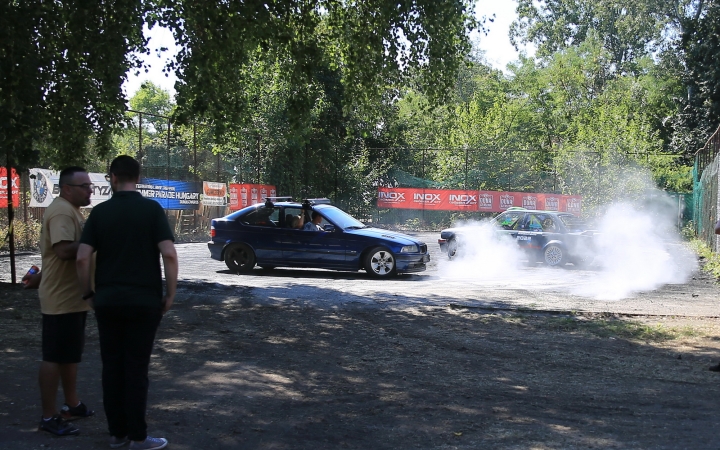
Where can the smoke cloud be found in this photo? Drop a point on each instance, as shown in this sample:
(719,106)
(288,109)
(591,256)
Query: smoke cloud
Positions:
(638,249)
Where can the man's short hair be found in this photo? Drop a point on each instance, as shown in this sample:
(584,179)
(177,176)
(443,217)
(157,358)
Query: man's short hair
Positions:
(125,168)
(315,215)
(67,174)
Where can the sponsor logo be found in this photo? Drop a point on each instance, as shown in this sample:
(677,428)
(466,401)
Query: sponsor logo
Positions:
(529,202)
(552,203)
(573,205)
(485,201)
(41,191)
(463,199)
(506,201)
(427,198)
(391,197)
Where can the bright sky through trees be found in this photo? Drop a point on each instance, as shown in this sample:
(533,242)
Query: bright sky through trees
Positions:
(499,51)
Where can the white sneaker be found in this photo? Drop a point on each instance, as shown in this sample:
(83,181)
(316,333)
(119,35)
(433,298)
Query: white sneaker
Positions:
(150,443)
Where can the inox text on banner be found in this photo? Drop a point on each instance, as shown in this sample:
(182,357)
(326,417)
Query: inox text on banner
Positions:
(465,200)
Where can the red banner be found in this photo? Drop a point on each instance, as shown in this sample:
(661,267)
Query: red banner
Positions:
(15,181)
(242,195)
(487,201)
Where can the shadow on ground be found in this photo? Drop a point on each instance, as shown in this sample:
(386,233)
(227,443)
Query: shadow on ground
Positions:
(254,368)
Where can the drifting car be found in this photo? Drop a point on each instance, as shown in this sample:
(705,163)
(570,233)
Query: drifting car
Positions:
(263,234)
(555,238)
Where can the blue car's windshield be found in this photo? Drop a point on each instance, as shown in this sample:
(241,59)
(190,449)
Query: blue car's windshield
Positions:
(339,217)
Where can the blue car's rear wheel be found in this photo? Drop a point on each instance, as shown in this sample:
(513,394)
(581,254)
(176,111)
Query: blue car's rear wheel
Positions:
(452,248)
(239,258)
(380,263)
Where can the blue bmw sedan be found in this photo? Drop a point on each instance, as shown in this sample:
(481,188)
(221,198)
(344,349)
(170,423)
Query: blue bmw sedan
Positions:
(272,234)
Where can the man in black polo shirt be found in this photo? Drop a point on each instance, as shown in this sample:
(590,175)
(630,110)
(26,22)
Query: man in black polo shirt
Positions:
(129,233)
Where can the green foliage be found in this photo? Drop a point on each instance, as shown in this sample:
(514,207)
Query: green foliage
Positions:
(627,31)
(710,261)
(375,45)
(61,70)
(623,329)
(27,234)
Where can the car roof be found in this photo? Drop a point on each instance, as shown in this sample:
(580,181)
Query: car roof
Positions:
(537,211)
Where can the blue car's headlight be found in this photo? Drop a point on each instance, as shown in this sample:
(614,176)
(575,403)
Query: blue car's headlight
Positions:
(409,249)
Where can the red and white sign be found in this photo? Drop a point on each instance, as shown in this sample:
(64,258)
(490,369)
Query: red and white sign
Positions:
(15,182)
(487,201)
(242,195)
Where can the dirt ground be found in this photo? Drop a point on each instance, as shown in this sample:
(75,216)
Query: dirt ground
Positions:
(231,372)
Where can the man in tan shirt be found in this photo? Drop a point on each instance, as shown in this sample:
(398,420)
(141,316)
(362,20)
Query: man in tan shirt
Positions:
(64,311)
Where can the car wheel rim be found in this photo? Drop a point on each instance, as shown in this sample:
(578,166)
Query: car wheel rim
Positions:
(239,257)
(553,255)
(452,248)
(382,263)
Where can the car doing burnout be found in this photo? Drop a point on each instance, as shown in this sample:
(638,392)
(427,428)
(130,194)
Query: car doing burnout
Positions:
(263,235)
(555,238)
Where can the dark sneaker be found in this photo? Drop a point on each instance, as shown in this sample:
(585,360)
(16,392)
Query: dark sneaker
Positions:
(150,443)
(74,412)
(117,442)
(58,426)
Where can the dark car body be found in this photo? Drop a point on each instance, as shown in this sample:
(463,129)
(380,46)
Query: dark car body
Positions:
(555,238)
(262,234)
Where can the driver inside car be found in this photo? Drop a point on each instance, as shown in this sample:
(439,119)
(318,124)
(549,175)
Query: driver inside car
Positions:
(314,225)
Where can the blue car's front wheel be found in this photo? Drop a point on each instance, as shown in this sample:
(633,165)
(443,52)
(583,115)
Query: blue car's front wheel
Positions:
(239,257)
(380,262)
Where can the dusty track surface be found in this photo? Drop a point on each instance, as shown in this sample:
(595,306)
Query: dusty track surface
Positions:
(300,359)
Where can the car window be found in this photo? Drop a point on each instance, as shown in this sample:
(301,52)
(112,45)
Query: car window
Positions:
(262,217)
(573,223)
(289,214)
(509,220)
(548,223)
(534,223)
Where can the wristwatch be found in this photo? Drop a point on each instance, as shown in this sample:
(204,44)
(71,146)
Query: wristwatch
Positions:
(90,294)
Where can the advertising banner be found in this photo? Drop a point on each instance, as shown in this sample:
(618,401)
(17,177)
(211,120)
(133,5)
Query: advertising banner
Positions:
(44,188)
(15,187)
(434,199)
(242,195)
(485,201)
(214,194)
(171,194)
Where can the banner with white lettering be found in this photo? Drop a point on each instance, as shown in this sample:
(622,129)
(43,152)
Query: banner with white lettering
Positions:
(44,188)
(486,201)
(214,194)
(171,194)
(242,195)
(15,187)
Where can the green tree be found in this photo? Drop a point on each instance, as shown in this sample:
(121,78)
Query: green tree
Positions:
(628,31)
(62,65)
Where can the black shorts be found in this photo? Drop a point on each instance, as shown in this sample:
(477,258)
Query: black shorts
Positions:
(63,337)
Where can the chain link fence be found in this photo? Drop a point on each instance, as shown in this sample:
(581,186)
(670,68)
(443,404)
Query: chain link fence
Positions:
(705,190)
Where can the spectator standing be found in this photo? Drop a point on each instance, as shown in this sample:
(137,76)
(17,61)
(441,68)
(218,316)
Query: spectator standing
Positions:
(64,312)
(129,233)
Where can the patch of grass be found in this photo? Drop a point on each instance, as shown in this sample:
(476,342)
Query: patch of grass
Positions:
(710,260)
(622,329)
